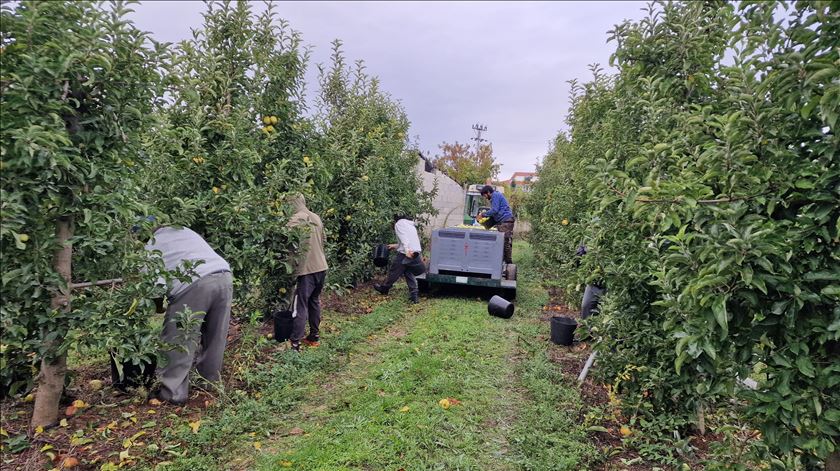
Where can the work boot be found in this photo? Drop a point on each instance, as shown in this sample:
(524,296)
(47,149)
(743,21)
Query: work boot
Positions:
(312,341)
(163,397)
(414,299)
(381,289)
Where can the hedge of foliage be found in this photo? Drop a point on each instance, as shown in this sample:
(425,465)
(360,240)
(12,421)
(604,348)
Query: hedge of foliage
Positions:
(103,126)
(704,180)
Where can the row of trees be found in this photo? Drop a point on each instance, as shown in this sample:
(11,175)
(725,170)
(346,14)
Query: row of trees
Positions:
(704,180)
(103,126)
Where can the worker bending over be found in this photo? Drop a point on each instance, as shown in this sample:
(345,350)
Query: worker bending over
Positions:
(207,296)
(408,253)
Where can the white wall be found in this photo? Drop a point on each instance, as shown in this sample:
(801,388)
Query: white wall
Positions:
(449,201)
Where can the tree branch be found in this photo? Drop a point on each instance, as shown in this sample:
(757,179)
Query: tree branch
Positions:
(89,284)
(682,200)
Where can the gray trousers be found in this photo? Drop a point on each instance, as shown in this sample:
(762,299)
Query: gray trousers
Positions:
(209,298)
(396,271)
(308,306)
(591,297)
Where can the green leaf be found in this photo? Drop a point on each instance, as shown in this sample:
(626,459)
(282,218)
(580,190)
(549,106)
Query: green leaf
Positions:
(804,184)
(679,361)
(781,361)
(681,344)
(805,366)
(747,274)
(758,282)
(820,75)
(831,290)
(806,110)
(821,276)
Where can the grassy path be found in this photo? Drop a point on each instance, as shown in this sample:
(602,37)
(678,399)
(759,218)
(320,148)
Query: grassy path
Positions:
(512,408)
(389,415)
(370,397)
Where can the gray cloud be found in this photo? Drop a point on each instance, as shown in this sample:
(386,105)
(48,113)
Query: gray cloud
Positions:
(452,64)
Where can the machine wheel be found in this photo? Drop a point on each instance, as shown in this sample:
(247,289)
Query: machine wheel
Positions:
(423,285)
(510,272)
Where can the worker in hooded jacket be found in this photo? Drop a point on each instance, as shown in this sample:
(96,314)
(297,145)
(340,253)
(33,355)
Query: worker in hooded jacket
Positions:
(311,272)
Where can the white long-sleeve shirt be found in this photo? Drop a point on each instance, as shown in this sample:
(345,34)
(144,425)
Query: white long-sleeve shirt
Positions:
(407,235)
(182,244)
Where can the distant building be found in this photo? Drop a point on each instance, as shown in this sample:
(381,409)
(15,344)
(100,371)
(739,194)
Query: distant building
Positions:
(449,202)
(520,181)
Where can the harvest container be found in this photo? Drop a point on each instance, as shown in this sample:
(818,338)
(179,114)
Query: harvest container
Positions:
(500,307)
(563,330)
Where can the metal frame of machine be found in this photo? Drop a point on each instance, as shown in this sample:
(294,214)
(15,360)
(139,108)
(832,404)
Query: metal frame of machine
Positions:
(471,257)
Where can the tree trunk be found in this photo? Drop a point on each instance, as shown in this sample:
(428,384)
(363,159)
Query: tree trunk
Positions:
(54,366)
(832,463)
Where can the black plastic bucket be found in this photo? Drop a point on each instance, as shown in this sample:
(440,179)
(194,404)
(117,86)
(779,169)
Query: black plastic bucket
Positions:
(500,307)
(282,325)
(380,255)
(133,375)
(563,330)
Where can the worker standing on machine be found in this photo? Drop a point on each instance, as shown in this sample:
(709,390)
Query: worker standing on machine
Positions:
(501,216)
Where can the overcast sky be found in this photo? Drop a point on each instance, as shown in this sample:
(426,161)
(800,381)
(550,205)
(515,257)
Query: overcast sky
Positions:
(451,64)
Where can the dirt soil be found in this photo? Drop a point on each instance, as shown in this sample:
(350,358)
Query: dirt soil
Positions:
(360,300)
(112,425)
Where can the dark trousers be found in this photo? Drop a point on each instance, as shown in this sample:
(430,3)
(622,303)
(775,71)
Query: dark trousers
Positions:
(396,271)
(507,228)
(308,306)
(591,298)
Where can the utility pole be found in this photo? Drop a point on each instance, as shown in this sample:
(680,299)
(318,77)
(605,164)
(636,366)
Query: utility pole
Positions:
(478,128)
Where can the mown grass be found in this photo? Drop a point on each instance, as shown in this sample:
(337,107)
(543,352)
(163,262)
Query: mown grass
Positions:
(369,398)
(516,410)
(454,351)
(547,434)
(281,385)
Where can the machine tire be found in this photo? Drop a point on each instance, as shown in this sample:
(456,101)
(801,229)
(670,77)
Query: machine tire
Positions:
(423,285)
(508,293)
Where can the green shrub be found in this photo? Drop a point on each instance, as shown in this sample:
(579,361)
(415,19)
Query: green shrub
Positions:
(704,180)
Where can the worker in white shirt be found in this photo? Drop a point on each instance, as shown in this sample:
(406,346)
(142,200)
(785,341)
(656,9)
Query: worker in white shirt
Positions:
(408,250)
